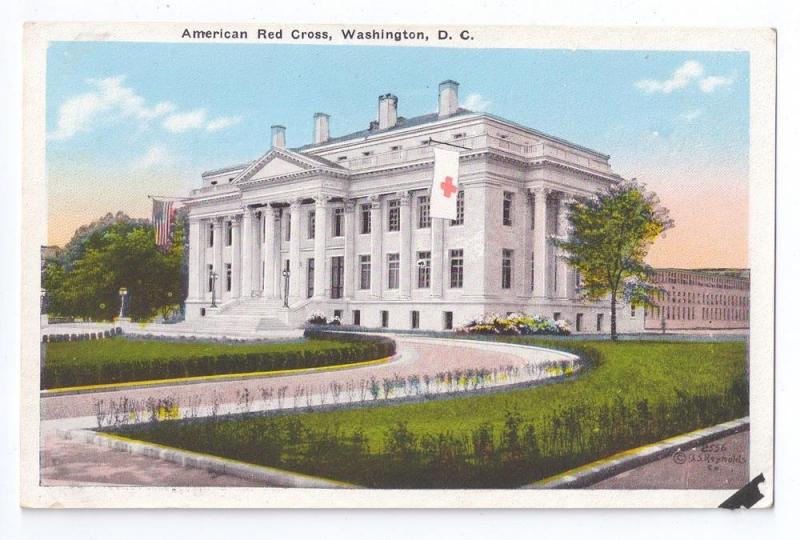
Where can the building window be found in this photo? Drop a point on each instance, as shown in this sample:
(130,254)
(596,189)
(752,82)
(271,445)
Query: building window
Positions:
(393,263)
(364,265)
(633,311)
(210,235)
(312,224)
(415,319)
(557,316)
(310,278)
(288,228)
(508,207)
(456,268)
(394,215)
(423,212)
(447,321)
(366,219)
(356,317)
(337,276)
(599,322)
(209,271)
(229,233)
(228,277)
(423,269)
(579,322)
(338,221)
(384,319)
(459,210)
(508,263)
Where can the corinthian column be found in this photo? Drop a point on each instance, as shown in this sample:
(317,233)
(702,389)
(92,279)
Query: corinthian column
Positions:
(195,262)
(247,252)
(349,248)
(405,244)
(376,247)
(219,239)
(295,271)
(236,256)
(563,268)
(437,257)
(540,248)
(320,243)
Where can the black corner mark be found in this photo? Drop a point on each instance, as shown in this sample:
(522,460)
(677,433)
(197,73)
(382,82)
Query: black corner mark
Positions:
(745,497)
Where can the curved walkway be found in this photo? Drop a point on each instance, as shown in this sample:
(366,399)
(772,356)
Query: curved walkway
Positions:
(73,462)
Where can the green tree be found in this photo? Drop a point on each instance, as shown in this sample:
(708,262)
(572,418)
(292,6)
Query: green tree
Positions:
(610,237)
(121,254)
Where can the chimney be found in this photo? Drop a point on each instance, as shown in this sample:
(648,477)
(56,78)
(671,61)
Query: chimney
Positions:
(448,98)
(387,111)
(321,128)
(278,137)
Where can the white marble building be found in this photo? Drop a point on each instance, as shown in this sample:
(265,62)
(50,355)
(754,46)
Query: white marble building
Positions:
(348,218)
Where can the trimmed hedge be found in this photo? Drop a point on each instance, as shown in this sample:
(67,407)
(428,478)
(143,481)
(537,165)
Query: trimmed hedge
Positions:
(321,349)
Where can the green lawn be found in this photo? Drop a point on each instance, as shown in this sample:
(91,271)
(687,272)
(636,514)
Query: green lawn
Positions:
(122,360)
(636,393)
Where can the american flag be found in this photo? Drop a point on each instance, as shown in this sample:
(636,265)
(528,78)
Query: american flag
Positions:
(163,218)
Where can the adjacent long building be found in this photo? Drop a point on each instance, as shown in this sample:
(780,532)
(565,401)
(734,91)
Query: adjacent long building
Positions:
(342,226)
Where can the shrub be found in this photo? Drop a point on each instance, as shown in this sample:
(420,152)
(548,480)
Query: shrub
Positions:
(515,324)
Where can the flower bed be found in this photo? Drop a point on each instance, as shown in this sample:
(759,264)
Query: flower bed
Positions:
(516,324)
(116,360)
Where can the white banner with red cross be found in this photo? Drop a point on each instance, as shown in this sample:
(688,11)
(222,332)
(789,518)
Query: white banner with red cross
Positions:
(444,190)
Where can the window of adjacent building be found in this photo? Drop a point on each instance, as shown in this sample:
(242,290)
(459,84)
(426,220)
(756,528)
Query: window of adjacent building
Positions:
(423,212)
(356,317)
(415,319)
(209,273)
(310,278)
(229,233)
(579,322)
(393,263)
(366,219)
(508,207)
(337,276)
(447,321)
(228,277)
(312,224)
(210,235)
(459,209)
(364,266)
(423,269)
(507,264)
(338,221)
(456,268)
(384,319)
(394,215)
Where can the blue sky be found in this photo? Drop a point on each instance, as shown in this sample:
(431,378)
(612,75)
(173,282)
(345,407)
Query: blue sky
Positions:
(156,115)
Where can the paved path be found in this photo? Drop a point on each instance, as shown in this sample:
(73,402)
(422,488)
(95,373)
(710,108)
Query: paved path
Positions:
(75,463)
(721,464)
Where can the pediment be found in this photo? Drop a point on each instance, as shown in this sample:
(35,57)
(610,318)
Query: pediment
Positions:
(278,162)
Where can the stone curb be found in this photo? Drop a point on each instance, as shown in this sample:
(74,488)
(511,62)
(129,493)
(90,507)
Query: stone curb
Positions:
(597,471)
(187,459)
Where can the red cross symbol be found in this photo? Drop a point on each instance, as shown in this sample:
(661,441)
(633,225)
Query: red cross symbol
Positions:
(447,186)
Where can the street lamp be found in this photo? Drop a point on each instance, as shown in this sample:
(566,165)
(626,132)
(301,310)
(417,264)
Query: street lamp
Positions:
(214,277)
(286,273)
(123,301)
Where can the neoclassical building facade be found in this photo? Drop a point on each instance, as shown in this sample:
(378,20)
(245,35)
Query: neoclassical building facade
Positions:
(342,225)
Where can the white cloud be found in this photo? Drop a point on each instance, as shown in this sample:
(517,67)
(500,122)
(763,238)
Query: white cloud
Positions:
(681,78)
(109,99)
(180,122)
(691,116)
(711,83)
(476,102)
(222,122)
(154,157)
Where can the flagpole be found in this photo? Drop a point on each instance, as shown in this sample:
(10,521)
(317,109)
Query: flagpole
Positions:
(432,140)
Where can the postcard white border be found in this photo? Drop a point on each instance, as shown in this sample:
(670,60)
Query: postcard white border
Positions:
(759,43)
